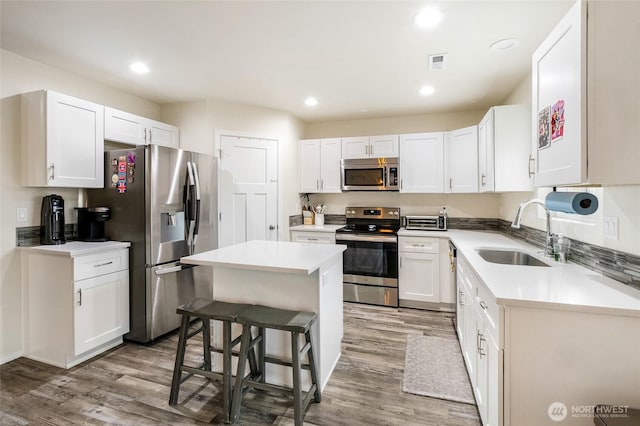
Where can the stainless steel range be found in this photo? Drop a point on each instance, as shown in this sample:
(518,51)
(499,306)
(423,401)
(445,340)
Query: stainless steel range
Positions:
(371,259)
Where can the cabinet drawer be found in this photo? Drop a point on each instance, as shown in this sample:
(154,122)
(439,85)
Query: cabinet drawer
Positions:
(418,244)
(489,309)
(313,237)
(95,264)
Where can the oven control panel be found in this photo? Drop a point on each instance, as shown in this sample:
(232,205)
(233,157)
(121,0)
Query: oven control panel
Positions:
(372,213)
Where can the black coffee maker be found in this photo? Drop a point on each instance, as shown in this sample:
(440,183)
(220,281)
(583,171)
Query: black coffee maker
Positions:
(52,220)
(91,223)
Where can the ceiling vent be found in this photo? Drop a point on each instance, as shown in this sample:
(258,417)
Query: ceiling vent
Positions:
(438,62)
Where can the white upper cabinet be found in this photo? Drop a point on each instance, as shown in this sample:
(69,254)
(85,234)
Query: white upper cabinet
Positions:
(421,162)
(370,146)
(585,109)
(383,146)
(461,160)
(319,165)
(124,127)
(504,143)
(62,141)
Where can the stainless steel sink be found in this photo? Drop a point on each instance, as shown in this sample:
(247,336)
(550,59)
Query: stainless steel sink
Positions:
(509,257)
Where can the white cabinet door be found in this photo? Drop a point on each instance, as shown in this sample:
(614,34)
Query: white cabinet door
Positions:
(124,127)
(461,160)
(163,134)
(383,146)
(559,79)
(355,147)
(418,277)
(319,165)
(309,165)
(101,310)
(485,153)
(330,154)
(63,141)
(421,162)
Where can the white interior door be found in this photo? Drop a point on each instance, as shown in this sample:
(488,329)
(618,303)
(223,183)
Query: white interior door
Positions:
(248,189)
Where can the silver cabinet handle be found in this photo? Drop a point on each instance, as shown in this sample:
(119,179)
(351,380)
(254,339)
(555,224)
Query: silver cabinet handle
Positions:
(532,160)
(483,305)
(461,297)
(370,149)
(312,239)
(450,183)
(97,265)
(401,184)
(52,168)
(79,297)
(272,227)
(145,135)
(417,245)
(481,349)
(483,180)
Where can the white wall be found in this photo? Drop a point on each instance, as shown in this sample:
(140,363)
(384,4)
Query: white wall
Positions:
(622,202)
(19,75)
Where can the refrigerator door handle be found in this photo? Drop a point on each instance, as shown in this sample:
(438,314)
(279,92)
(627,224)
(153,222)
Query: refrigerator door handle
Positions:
(196,176)
(190,214)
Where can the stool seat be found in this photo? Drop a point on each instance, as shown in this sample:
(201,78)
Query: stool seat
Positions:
(212,310)
(277,319)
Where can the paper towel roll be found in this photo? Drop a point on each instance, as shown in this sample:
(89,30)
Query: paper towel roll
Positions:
(572,202)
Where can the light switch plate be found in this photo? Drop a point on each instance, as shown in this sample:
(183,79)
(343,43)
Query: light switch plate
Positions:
(21,214)
(610,227)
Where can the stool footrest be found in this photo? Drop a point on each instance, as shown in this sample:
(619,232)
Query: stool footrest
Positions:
(208,374)
(279,389)
(280,361)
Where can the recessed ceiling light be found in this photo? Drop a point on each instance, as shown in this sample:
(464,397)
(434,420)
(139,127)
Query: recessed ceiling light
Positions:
(427,90)
(139,68)
(428,18)
(311,102)
(504,44)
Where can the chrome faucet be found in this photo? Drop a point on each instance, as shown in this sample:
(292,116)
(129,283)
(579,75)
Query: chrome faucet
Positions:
(516,223)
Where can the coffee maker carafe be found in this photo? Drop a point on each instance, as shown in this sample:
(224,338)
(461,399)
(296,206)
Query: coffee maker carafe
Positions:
(52,220)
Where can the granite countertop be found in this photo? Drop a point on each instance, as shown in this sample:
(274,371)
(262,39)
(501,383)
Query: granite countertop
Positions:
(271,256)
(77,248)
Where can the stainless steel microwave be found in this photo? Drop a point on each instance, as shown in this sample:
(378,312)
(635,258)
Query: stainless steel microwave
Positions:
(370,174)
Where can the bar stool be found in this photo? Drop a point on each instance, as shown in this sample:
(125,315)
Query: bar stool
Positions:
(205,310)
(294,322)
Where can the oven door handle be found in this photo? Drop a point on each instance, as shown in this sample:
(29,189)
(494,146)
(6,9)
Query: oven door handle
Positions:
(368,238)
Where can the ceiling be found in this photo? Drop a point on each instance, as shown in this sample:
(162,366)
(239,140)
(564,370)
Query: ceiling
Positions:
(358,58)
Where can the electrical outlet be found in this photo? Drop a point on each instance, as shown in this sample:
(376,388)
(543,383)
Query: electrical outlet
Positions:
(610,227)
(21,214)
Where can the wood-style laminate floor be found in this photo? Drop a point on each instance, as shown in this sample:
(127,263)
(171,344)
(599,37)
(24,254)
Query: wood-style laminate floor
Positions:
(129,385)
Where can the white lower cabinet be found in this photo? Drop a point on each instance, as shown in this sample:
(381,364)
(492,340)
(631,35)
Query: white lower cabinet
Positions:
(76,306)
(478,327)
(328,237)
(423,274)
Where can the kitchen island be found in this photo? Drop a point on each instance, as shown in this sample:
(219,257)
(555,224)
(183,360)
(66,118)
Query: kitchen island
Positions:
(288,275)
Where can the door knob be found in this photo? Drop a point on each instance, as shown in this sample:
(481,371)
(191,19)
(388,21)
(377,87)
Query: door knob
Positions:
(272,227)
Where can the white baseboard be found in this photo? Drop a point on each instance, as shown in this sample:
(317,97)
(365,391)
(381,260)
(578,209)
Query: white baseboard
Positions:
(10,357)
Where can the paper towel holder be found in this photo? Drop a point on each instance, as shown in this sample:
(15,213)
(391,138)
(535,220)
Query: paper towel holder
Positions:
(582,203)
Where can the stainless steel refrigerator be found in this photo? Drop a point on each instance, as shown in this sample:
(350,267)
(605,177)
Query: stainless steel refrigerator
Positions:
(164,201)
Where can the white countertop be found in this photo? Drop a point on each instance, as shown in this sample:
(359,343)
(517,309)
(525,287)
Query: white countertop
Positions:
(272,256)
(77,248)
(561,285)
(316,228)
